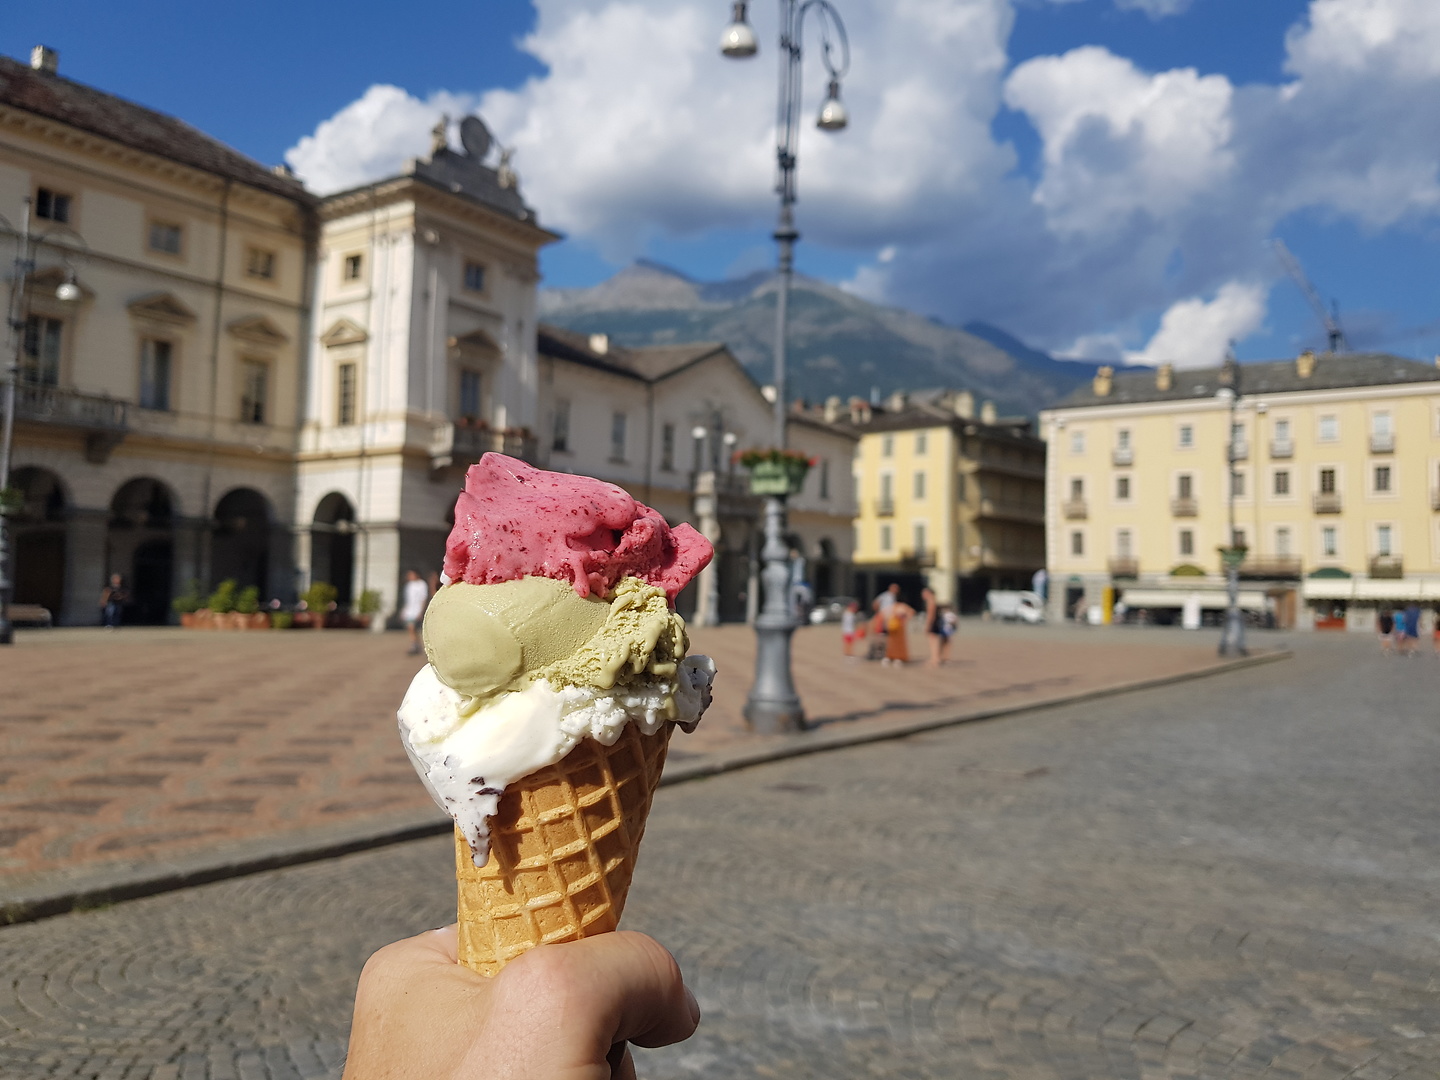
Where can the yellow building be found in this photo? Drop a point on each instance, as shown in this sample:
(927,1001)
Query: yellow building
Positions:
(946,498)
(1336,483)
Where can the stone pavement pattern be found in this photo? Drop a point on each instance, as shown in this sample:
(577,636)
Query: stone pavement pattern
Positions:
(141,746)
(1229,878)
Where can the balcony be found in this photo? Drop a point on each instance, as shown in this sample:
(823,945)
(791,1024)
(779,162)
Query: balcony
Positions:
(1382,442)
(464,444)
(1387,566)
(1124,566)
(1240,450)
(1013,510)
(1271,568)
(1016,465)
(1327,502)
(1282,448)
(102,420)
(884,507)
(919,558)
(1184,506)
(1074,509)
(1122,456)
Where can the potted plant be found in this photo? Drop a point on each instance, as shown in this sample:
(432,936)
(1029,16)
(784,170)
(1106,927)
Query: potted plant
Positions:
(367,606)
(222,603)
(188,604)
(774,471)
(281,620)
(12,500)
(247,610)
(318,600)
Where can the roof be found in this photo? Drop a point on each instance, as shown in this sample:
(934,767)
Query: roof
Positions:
(918,415)
(1333,371)
(648,362)
(58,98)
(561,344)
(464,175)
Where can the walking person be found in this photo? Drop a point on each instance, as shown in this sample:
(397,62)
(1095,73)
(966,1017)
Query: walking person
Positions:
(934,632)
(1411,615)
(852,629)
(880,624)
(949,623)
(897,625)
(1386,626)
(413,598)
(113,599)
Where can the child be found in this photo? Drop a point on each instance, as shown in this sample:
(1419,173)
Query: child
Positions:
(851,628)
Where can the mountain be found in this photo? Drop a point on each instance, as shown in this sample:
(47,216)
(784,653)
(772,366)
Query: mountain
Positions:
(838,343)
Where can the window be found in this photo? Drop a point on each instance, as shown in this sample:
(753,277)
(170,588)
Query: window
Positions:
(260,263)
(1122,544)
(254,383)
(919,486)
(1122,488)
(1077,442)
(155,356)
(1237,538)
(1382,540)
(1327,481)
(1185,486)
(887,446)
(470,389)
(922,442)
(919,530)
(40,362)
(345,394)
(886,483)
(1382,479)
(1380,424)
(1327,540)
(165,237)
(352,268)
(1187,435)
(667,447)
(1122,439)
(1077,488)
(1077,543)
(474,277)
(618,423)
(1187,542)
(1237,433)
(886,539)
(1237,484)
(1329,428)
(1282,431)
(560,434)
(52,205)
(1282,541)
(824,478)
(1282,482)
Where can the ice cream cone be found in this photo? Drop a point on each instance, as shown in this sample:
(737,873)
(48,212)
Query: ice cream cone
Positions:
(562,851)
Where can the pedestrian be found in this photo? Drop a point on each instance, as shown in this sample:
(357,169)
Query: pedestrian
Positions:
(1386,626)
(1412,628)
(880,624)
(851,628)
(413,598)
(897,623)
(113,599)
(949,624)
(934,632)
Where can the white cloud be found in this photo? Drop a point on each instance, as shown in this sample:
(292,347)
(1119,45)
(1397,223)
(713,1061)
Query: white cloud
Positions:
(1196,333)
(1400,36)
(1156,9)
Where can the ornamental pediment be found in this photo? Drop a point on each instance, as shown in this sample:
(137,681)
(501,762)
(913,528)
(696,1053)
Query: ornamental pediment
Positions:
(162,307)
(343,332)
(477,343)
(43,283)
(258,330)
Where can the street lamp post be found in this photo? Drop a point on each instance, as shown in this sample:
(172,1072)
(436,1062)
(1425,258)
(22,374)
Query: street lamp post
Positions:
(1232,637)
(774,705)
(23,265)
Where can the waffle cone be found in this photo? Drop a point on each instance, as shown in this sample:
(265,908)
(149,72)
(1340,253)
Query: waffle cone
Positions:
(562,851)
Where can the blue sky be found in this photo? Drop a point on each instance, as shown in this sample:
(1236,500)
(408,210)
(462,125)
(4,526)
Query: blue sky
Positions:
(1096,176)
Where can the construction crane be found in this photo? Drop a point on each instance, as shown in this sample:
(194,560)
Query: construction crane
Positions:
(1329,317)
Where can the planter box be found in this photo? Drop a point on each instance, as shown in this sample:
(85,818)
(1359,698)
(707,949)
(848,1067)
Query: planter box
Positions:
(778,477)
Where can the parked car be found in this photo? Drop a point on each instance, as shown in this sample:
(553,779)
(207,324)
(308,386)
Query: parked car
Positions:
(1018,604)
(830,609)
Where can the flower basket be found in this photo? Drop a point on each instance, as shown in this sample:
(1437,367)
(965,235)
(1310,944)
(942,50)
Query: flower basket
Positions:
(775,472)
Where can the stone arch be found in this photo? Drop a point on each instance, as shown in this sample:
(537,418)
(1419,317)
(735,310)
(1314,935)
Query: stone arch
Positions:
(332,545)
(824,575)
(240,544)
(140,547)
(38,533)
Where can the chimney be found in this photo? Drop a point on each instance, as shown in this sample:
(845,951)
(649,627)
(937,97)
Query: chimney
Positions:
(1305,364)
(859,411)
(963,405)
(987,413)
(1104,379)
(832,409)
(44,60)
(1164,376)
(896,401)
(600,343)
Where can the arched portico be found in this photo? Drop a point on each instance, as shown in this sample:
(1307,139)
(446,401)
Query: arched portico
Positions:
(140,546)
(240,542)
(332,545)
(38,533)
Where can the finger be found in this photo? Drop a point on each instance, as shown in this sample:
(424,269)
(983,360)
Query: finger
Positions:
(622,1064)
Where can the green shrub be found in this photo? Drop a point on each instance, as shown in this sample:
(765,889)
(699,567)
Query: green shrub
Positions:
(281,620)
(248,602)
(320,596)
(369,602)
(190,600)
(222,600)
(1187,570)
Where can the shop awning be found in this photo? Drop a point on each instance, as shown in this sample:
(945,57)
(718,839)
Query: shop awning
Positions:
(1372,589)
(1214,599)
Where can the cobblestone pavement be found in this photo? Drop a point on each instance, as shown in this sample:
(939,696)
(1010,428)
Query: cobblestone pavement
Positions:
(1234,878)
(133,748)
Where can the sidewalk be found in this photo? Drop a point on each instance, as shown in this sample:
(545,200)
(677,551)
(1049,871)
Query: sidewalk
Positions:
(143,759)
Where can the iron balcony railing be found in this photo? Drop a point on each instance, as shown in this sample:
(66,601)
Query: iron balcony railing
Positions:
(1327,502)
(918,557)
(1124,566)
(1382,442)
(1075,510)
(1282,448)
(1122,455)
(1184,506)
(464,444)
(103,420)
(884,507)
(1387,566)
(1271,567)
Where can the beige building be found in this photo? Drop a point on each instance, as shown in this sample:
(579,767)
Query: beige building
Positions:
(948,497)
(1336,469)
(157,412)
(663,422)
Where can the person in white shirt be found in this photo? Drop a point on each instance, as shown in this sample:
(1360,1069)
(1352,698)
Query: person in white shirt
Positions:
(413,599)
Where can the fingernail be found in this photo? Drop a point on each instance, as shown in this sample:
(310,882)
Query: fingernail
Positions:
(694,1006)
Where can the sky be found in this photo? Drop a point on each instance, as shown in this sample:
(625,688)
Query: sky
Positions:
(1101,178)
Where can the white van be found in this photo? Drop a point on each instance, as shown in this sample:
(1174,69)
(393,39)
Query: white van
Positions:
(1019,604)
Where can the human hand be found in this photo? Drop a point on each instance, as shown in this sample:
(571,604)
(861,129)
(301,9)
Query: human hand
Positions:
(557,1012)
